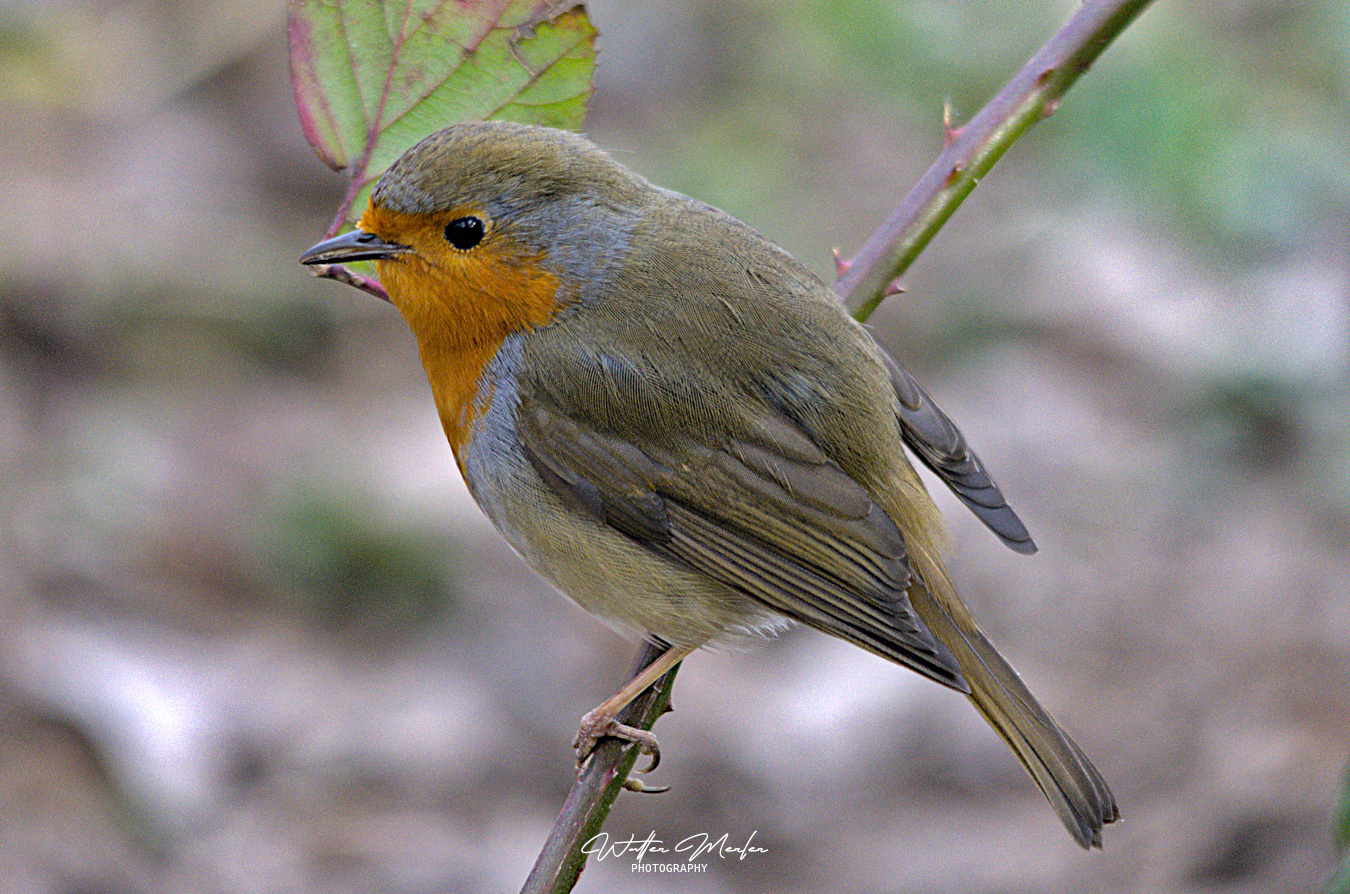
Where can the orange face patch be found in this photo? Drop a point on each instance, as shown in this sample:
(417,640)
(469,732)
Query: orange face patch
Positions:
(460,303)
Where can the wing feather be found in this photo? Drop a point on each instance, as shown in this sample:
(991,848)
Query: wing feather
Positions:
(939,444)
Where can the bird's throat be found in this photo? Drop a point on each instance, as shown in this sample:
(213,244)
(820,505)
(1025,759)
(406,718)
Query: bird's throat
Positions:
(460,321)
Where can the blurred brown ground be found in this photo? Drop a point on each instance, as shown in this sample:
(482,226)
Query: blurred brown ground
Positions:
(254,637)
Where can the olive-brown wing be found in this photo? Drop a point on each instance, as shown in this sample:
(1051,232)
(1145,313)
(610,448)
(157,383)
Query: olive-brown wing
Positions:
(767,515)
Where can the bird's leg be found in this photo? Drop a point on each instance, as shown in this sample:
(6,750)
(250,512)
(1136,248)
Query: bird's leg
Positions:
(603,721)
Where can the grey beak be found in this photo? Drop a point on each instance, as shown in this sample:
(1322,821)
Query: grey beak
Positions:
(357,245)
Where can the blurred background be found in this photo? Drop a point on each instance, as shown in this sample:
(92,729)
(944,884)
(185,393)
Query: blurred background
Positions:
(254,637)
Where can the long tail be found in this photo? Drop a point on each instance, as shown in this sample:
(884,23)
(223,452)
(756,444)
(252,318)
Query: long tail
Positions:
(1072,785)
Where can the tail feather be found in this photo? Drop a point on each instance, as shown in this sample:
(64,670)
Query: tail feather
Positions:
(1072,785)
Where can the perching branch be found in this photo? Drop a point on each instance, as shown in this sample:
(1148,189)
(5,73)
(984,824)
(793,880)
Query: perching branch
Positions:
(587,806)
(972,149)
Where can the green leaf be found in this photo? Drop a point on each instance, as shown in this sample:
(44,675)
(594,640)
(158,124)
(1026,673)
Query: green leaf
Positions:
(372,78)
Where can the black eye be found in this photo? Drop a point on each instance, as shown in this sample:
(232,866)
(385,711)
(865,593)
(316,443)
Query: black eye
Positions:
(464,232)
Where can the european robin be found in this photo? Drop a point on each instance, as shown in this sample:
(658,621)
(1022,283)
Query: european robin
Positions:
(678,425)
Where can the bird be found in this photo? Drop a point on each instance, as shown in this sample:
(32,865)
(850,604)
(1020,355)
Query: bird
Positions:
(678,424)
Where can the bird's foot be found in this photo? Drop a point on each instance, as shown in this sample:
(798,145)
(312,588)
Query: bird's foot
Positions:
(598,724)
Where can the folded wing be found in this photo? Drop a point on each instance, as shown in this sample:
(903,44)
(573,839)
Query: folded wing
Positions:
(767,515)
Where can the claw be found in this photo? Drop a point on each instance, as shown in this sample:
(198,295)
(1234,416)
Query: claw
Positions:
(652,751)
(637,785)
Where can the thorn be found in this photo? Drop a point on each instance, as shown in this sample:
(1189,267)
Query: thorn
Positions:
(892,288)
(840,265)
(1045,76)
(952,176)
(1051,107)
(949,132)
